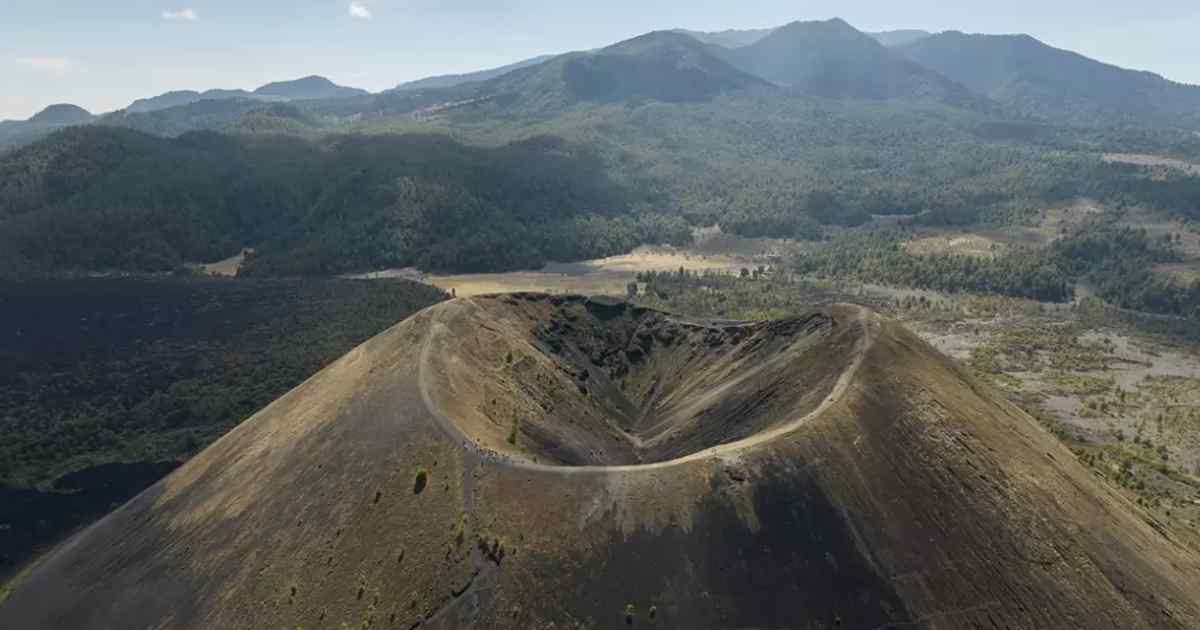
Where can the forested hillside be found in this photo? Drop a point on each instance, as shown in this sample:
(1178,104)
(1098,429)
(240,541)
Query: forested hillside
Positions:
(103,198)
(106,384)
(1116,261)
(595,180)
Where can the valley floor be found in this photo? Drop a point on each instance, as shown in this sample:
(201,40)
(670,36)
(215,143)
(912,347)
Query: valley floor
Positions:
(712,251)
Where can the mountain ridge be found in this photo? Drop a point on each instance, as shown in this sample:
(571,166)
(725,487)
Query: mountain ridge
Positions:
(1056,84)
(661,65)
(453,80)
(308,88)
(311,87)
(737,38)
(832,59)
(1013,77)
(61,114)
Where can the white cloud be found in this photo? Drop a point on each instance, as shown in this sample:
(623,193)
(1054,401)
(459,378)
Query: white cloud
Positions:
(359,10)
(46,64)
(188,15)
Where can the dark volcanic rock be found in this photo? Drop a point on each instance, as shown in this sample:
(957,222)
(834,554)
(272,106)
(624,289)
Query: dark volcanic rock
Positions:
(831,471)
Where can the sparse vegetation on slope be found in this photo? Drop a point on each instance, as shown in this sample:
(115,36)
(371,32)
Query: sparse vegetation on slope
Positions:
(865,485)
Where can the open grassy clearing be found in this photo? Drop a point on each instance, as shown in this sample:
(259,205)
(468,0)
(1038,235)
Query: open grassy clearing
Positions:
(227,267)
(1161,226)
(1182,238)
(1185,272)
(712,250)
(973,245)
(1140,159)
(1047,224)
(1042,227)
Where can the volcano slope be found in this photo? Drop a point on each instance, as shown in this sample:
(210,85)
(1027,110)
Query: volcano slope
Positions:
(526,461)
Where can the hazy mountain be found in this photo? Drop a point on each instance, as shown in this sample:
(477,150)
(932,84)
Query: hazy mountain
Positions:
(1058,85)
(833,59)
(451,80)
(220,95)
(901,37)
(163,101)
(667,66)
(729,38)
(17,133)
(61,114)
(307,88)
(663,65)
(738,38)
(185,97)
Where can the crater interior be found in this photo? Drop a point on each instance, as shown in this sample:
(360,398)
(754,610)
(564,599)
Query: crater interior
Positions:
(575,381)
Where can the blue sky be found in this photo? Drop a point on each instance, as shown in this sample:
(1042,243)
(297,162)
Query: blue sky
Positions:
(104,54)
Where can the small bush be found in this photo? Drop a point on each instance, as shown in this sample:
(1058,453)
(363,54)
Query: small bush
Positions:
(421,481)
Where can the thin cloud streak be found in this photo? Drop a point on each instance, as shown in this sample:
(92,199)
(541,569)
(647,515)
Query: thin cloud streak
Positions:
(360,11)
(185,15)
(46,64)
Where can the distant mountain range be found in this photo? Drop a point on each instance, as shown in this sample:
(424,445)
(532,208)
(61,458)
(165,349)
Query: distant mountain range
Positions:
(62,114)
(179,111)
(16,133)
(1010,75)
(1056,85)
(729,38)
(179,98)
(664,66)
(899,37)
(832,59)
(307,88)
(451,80)
(738,38)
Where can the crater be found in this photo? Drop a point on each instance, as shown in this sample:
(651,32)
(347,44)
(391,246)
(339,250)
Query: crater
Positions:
(576,381)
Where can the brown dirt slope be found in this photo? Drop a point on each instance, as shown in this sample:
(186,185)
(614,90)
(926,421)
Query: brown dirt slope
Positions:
(527,461)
